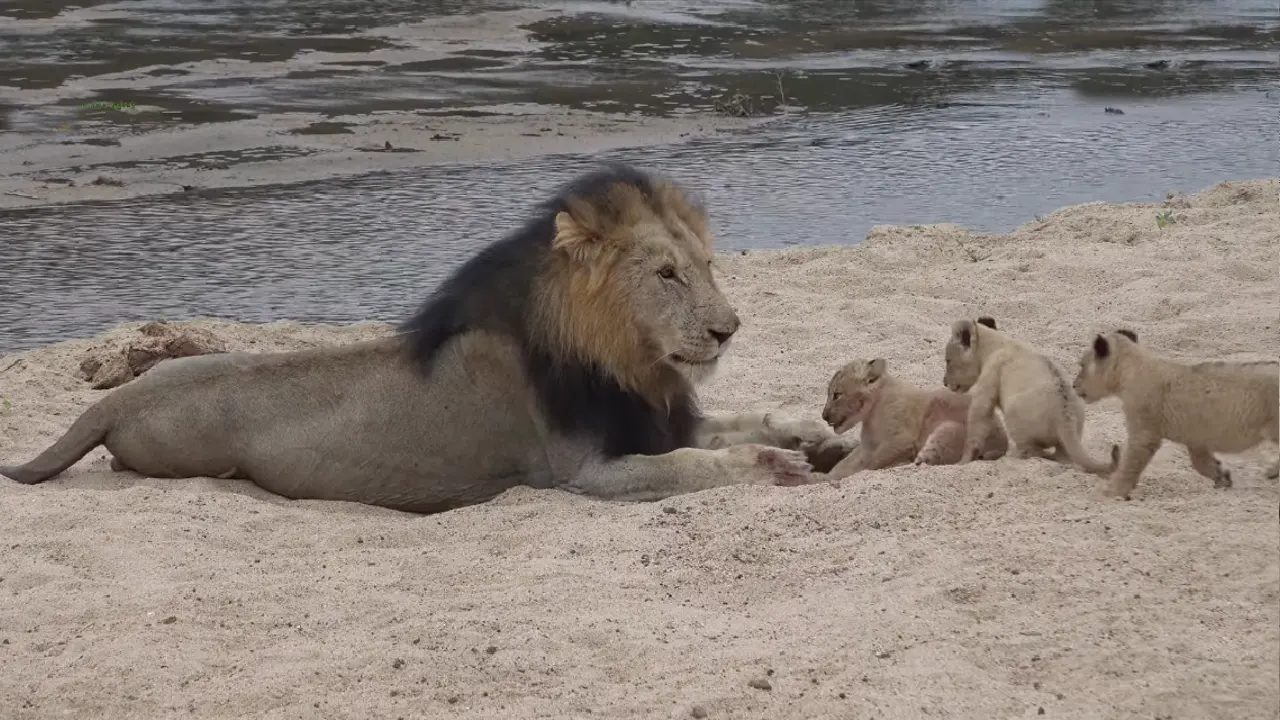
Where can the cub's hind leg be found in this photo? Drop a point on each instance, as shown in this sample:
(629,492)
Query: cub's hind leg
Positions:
(1027,449)
(1209,466)
(118,465)
(944,446)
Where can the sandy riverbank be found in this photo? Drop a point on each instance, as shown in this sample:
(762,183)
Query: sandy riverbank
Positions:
(999,590)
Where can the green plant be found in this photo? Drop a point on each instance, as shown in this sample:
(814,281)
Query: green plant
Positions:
(1165,218)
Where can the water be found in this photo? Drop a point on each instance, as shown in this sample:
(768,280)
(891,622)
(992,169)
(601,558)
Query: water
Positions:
(982,113)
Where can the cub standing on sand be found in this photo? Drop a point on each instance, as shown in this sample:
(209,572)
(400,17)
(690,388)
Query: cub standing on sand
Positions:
(900,423)
(1206,407)
(1040,409)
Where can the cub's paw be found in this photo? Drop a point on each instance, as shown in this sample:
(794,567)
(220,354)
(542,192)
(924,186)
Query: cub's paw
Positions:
(1224,478)
(775,466)
(825,455)
(927,457)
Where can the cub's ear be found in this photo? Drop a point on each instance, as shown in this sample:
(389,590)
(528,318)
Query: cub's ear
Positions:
(1129,334)
(963,332)
(1101,347)
(875,369)
(988,321)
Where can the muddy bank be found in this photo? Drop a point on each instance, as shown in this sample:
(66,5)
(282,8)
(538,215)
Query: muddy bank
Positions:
(296,147)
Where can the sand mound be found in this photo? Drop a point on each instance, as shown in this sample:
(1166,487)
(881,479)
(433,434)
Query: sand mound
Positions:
(997,590)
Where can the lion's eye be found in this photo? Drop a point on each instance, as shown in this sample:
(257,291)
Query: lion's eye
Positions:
(667,272)
(836,396)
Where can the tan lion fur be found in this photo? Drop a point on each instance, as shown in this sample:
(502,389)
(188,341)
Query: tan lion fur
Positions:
(1208,407)
(586,297)
(1039,407)
(900,423)
(370,422)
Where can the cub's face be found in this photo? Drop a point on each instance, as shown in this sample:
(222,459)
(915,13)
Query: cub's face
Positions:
(1095,380)
(850,391)
(961,357)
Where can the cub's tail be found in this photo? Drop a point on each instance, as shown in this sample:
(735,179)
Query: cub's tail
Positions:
(86,433)
(1069,436)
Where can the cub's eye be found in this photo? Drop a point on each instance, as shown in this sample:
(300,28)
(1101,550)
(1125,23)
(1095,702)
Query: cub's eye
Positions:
(836,396)
(667,272)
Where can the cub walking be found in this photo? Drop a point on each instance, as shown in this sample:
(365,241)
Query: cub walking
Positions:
(1206,407)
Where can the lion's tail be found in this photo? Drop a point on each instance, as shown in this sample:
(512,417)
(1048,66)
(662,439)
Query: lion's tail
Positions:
(86,433)
(1070,439)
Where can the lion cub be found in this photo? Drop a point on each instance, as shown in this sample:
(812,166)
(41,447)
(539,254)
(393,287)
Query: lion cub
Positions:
(900,423)
(1206,407)
(1039,407)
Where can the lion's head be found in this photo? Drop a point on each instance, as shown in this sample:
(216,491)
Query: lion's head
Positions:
(851,391)
(1098,377)
(963,361)
(629,286)
(609,292)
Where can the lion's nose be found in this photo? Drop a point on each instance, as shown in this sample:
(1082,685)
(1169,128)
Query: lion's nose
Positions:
(725,331)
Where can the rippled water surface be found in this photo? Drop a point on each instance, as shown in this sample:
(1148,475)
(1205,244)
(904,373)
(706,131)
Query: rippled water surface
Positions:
(982,113)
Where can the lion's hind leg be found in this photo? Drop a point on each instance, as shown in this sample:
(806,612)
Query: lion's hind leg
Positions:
(944,446)
(1209,466)
(1270,439)
(118,465)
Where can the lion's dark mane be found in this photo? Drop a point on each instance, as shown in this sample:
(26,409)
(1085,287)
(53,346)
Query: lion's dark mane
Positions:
(493,291)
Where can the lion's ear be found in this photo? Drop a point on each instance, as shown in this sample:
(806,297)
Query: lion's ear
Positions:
(1101,347)
(571,236)
(875,369)
(963,331)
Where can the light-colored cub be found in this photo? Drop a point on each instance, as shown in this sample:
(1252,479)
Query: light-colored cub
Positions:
(900,423)
(1206,407)
(1039,407)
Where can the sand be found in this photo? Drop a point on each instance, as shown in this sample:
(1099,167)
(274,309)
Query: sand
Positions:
(999,590)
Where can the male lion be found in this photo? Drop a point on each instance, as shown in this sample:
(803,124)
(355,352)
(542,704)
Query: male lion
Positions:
(560,356)
(1206,407)
(900,423)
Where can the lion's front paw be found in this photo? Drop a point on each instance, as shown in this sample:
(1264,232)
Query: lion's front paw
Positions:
(1116,491)
(775,466)
(795,434)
